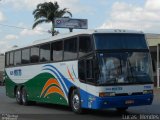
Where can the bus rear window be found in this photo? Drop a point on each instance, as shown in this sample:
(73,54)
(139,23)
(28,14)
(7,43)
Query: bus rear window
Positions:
(120,41)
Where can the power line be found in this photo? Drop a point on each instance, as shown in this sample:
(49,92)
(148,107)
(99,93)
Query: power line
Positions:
(17,27)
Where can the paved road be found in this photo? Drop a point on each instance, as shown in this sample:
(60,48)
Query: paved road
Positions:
(57,112)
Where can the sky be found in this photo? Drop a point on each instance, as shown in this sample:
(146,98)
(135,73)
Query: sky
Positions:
(141,15)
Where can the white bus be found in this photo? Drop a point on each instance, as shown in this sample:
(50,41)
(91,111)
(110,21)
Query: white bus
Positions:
(93,69)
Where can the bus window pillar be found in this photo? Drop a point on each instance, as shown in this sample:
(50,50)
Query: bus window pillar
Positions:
(158,68)
(70,29)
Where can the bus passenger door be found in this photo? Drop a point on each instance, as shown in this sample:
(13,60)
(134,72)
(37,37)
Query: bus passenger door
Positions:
(82,80)
(86,77)
(90,81)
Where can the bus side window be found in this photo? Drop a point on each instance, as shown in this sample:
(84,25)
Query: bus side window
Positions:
(70,48)
(85,45)
(81,70)
(17,57)
(11,58)
(7,59)
(57,51)
(34,54)
(26,56)
(45,52)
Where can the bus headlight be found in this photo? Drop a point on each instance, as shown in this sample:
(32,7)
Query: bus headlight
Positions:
(148,92)
(105,94)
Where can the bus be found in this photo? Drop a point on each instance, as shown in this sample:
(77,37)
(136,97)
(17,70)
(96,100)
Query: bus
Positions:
(90,69)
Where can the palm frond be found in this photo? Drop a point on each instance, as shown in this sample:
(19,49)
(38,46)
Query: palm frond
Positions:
(68,12)
(36,10)
(39,22)
(47,12)
(40,14)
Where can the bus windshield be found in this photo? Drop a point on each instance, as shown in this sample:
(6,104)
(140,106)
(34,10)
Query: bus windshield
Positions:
(119,41)
(120,68)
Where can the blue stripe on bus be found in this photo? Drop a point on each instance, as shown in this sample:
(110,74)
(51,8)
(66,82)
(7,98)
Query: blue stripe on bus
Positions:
(66,81)
(69,84)
(74,72)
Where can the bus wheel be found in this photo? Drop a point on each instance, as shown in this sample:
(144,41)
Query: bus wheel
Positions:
(24,97)
(76,102)
(18,96)
(122,109)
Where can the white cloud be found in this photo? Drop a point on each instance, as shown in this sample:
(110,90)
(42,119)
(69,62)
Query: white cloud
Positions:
(5,42)
(4,46)
(11,37)
(10,40)
(31,4)
(28,32)
(153,5)
(2,17)
(129,16)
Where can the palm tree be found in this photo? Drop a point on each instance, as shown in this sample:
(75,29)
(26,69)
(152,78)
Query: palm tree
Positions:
(47,12)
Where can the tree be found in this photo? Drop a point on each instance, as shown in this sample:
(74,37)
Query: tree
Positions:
(47,12)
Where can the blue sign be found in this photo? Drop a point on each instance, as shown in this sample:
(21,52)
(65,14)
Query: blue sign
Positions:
(71,23)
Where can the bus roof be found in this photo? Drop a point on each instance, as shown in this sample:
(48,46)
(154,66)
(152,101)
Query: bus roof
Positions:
(83,32)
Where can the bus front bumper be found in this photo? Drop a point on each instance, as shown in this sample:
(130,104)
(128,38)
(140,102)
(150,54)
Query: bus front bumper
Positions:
(120,101)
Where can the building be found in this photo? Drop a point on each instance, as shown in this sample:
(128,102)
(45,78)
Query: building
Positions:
(154,45)
(2,62)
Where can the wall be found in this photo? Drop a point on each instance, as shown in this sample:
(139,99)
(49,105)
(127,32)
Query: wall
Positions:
(2,62)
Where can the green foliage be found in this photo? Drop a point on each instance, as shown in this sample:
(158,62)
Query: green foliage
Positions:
(47,12)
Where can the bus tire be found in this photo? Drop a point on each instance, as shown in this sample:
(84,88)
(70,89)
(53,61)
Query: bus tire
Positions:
(76,102)
(18,96)
(24,97)
(124,109)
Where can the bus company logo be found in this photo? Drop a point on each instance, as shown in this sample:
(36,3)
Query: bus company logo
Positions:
(16,72)
(108,88)
(114,88)
(147,87)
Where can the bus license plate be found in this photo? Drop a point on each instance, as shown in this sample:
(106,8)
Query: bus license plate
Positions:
(129,102)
